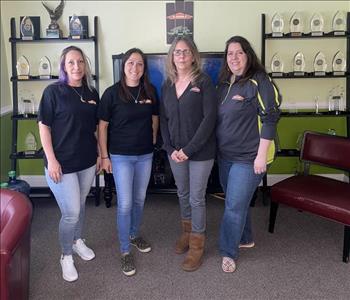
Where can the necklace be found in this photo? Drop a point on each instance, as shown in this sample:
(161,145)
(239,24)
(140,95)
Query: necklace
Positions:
(80,96)
(138,95)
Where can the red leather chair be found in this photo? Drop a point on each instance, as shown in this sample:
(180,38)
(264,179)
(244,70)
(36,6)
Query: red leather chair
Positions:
(16,213)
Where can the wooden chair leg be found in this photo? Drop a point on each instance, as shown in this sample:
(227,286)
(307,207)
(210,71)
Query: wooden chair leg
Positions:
(346,248)
(273,214)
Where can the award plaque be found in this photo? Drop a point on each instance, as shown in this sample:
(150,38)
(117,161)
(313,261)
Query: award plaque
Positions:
(299,64)
(276,66)
(22,68)
(27,29)
(277,25)
(320,64)
(44,68)
(30,144)
(53,31)
(339,23)
(296,24)
(317,25)
(78,27)
(339,64)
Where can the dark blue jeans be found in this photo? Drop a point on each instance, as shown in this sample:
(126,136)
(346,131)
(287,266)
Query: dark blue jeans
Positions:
(239,182)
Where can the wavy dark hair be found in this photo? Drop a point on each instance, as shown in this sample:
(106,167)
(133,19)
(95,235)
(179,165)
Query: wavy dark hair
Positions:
(147,90)
(253,63)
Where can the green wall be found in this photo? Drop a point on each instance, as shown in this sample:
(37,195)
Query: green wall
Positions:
(5,145)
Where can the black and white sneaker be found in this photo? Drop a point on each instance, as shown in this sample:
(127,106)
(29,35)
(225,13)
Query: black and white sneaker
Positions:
(141,244)
(128,266)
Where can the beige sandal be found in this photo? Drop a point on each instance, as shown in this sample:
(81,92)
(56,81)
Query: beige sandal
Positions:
(228,264)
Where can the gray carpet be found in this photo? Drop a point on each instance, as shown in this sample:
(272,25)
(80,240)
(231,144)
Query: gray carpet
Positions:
(301,260)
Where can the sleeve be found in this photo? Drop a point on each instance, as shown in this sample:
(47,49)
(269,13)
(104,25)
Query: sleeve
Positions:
(207,125)
(105,106)
(46,111)
(164,129)
(269,101)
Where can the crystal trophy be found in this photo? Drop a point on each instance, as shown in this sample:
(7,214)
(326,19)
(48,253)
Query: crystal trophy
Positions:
(27,106)
(299,64)
(339,23)
(317,25)
(44,68)
(30,144)
(339,64)
(277,25)
(320,64)
(22,68)
(296,24)
(75,28)
(27,29)
(276,66)
(336,100)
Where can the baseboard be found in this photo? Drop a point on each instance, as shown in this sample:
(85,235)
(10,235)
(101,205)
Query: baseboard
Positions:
(40,181)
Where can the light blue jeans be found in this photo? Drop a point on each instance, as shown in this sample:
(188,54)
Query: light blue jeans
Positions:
(131,176)
(239,182)
(191,179)
(70,194)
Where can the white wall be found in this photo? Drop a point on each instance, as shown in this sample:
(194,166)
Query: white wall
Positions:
(124,24)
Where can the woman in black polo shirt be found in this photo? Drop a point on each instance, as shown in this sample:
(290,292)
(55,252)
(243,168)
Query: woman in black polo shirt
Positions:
(129,111)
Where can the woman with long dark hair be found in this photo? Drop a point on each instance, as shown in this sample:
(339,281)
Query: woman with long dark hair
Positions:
(129,122)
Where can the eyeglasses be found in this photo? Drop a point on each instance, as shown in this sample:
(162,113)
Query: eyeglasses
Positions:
(185,52)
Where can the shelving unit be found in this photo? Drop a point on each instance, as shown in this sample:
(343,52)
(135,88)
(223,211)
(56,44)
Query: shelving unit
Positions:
(16,116)
(289,75)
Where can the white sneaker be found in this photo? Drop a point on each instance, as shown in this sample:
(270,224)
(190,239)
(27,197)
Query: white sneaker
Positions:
(82,250)
(69,272)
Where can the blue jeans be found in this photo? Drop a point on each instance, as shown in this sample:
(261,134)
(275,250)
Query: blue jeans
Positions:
(131,176)
(191,178)
(70,194)
(239,182)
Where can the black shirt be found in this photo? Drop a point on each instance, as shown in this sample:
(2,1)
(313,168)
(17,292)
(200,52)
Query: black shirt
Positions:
(130,124)
(73,125)
(188,123)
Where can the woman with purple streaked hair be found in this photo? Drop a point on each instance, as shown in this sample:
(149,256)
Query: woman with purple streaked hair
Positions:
(67,120)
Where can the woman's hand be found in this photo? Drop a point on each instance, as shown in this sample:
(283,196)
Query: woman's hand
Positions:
(55,170)
(98,165)
(260,164)
(106,165)
(182,156)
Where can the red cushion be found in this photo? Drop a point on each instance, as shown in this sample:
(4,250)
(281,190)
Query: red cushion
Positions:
(323,196)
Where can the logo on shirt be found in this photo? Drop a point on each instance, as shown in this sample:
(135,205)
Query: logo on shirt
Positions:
(146,101)
(238,97)
(195,89)
(91,102)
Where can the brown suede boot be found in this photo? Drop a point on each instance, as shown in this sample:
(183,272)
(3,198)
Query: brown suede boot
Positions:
(194,256)
(182,243)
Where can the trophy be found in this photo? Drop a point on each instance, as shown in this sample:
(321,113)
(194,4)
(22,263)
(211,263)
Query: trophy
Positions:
(277,25)
(317,25)
(296,24)
(320,64)
(299,64)
(54,31)
(336,99)
(276,66)
(27,29)
(339,23)
(30,144)
(339,64)
(44,68)
(22,68)
(27,106)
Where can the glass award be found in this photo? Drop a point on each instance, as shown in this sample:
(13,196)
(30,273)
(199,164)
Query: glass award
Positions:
(27,29)
(320,64)
(317,25)
(277,25)
(276,66)
(75,28)
(27,106)
(336,100)
(22,68)
(30,144)
(44,68)
(296,24)
(339,64)
(299,64)
(339,23)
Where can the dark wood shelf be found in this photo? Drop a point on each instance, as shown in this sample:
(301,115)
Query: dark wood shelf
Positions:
(290,75)
(288,152)
(37,78)
(23,117)
(22,155)
(307,35)
(52,40)
(313,114)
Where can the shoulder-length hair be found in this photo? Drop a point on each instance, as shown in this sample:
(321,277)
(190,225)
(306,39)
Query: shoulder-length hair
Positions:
(63,76)
(253,63)
(196,65)
(147,91)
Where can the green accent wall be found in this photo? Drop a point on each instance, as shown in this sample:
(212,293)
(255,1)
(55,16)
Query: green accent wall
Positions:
(5,145)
